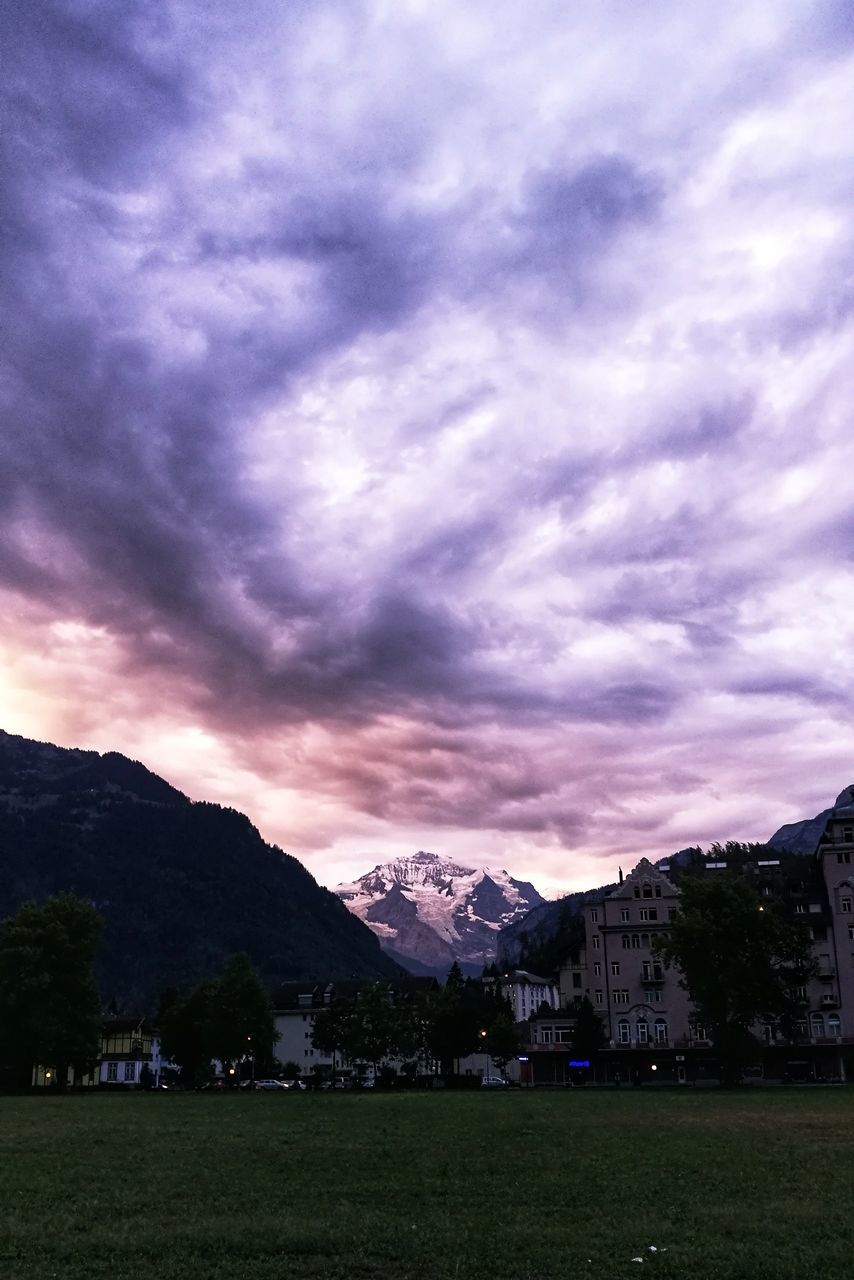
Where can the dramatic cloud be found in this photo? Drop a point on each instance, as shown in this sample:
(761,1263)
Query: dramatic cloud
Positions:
(428,424)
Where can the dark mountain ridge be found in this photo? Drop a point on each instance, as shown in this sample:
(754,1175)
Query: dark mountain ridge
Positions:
(181,885)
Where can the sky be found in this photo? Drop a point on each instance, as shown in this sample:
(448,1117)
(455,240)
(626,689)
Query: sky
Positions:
(428,425)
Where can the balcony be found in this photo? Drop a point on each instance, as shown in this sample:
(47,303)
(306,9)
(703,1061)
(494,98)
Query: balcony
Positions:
(826,973)
(829,1002)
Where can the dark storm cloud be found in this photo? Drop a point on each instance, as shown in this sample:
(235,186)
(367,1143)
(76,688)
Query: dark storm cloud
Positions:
(355,371)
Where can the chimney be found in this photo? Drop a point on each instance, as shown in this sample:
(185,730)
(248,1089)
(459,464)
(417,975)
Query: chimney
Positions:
(620,869)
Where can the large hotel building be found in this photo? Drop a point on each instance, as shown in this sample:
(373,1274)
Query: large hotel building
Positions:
(651,1030)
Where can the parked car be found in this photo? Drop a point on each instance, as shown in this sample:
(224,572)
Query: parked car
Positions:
(268,1084)
(493,1082)
(295,1085)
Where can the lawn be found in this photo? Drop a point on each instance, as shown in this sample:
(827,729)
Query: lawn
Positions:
(498,1186)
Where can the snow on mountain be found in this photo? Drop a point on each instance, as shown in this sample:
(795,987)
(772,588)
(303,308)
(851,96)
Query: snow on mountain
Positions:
(432,910)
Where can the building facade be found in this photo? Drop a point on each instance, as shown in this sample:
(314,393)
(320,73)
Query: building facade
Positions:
(652,1032)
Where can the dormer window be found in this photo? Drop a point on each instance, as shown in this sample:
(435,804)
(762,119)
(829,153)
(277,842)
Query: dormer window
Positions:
(647,889)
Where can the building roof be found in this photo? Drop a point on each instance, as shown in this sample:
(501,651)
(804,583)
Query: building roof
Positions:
(287,995)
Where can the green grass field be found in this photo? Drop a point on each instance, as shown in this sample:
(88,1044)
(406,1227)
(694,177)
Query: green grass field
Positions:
(516,1186)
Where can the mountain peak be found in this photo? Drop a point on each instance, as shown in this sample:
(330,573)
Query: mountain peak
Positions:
(432,909)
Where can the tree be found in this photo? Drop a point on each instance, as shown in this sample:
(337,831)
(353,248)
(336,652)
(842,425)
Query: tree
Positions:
(229,1018)
(503,1041)
(50,1012)
(588,1035)
(241,1023)
(185,1034)
(740,960)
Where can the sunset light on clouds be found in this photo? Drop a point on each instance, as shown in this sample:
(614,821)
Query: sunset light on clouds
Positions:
(428,425)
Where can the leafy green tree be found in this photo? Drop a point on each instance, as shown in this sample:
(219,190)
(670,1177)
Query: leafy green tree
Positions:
(50,1012)
(241,1022)
(185,1034)
(740,960)
(332,1028)
(503,1041)
(588,1035)
(229,1018)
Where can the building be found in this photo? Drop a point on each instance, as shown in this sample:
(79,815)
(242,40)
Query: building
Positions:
(651,1029)
(128,1046)
(526,992)
(297,1004)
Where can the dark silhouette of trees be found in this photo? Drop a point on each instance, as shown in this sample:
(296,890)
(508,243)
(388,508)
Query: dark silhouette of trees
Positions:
(740,960)
(50,1013)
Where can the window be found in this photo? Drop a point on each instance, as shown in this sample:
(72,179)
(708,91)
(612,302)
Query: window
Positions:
(845,904)
(597,968)
(660,1031)
(637,892)
(816,1024)
(599,997)
(615,968)
(546,1035)
(652,971)
(649,913)
(596,942)
(698,1032)
(658,891)
(624,915)
(800,909)
(130,1071)
(624,1032)
(635,942)
(112,1071)
(594,915)
(576,979)
(621,995)
(653,996)
(843,857)
(644,939)
(848,834)
(851,932)
(801,993)
(834,1026)
(625,942)
(642,1031)
(646,892)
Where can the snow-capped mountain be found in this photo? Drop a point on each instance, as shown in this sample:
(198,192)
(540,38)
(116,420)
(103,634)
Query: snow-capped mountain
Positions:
(430,911)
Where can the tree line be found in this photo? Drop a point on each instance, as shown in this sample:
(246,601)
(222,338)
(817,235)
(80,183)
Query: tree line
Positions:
(740,961)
